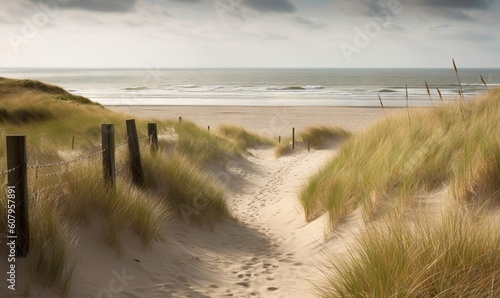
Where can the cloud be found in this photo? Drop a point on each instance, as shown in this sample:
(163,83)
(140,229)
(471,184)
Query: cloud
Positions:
(443,31)
(98,5)
(186,1)
(278,6)
(310,22)
(439,26)
(464,4)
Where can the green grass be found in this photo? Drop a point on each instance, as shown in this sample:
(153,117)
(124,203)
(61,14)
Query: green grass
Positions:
(200,145)
(316,136)
(185,187)
(454,256)
(394,161)
(243,138)
(50,118)
(10,86)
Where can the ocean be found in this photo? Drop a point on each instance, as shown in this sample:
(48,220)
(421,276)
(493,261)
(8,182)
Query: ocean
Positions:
(264,87)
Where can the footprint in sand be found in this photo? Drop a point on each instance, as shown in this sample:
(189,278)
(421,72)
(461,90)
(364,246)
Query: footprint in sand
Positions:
(243,284)
(285,261)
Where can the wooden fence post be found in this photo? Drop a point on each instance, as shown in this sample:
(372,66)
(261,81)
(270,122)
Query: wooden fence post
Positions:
(73,143)
(308,146)
(108,154)
(135,154)
(279,139)
(180,119)
(209,128)
(18,192)
(153,136)
(293,137)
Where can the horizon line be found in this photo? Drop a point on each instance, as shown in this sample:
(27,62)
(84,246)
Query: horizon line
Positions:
(230,68)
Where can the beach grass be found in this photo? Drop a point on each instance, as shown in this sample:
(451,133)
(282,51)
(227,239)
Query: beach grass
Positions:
(452,256)
(185,187)
(64,197)
(199,144)
(243,138)
(395,160)
(316,136)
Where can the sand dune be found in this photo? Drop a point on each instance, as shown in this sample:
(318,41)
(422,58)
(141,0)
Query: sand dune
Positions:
(267,250)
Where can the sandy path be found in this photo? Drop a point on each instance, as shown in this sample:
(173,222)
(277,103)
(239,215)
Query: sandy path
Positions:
(283,266)
(268,250)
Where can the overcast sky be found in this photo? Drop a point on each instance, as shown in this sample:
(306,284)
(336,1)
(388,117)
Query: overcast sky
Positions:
(249,33)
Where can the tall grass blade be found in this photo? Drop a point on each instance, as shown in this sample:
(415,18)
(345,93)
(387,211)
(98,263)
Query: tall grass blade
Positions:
(461,92)
(381,103)
(408,105)
(440,95)
(482,80)
(428,91)
(458,78)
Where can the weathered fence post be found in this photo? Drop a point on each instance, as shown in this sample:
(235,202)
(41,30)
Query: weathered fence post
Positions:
(18,193)
(73,143)
(209,128)
(279,139)
(108,153)
(293,137)
(135,154)
(153,136)
(180,119)
(308,145)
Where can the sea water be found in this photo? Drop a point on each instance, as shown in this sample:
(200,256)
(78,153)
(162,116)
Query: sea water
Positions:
(265,87)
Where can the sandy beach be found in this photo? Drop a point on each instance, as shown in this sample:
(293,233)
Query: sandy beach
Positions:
(271,121)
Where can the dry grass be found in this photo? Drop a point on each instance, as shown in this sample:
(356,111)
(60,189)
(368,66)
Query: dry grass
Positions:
(51,117)
(316,136)
(243,138)
(394,161)
(200,145)
(185,187)
(454,256)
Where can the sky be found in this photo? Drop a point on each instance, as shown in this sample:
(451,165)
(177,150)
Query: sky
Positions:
(249,33)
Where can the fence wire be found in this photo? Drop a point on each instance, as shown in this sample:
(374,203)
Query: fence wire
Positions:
(51,178)
(42,176)
(7,172)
